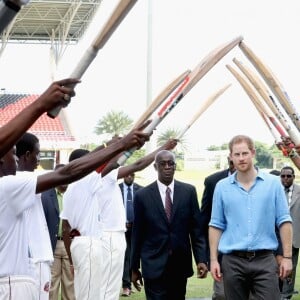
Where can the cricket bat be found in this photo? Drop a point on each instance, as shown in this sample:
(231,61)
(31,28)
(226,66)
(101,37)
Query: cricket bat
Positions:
(119,13)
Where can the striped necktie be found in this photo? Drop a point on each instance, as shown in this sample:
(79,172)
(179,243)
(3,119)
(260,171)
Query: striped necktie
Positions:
(168,204)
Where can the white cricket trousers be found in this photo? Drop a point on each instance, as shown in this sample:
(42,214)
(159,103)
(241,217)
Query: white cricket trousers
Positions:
(18,287)
(113,251)
(42,274)
(98,266)
(86,257)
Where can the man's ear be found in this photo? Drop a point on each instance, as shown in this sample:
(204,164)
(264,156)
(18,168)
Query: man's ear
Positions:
(27,154)
(155,166)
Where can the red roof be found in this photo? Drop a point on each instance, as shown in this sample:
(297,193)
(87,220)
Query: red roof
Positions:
(45,128)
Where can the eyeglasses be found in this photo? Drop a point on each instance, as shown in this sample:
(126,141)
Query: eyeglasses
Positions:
(164,163)
(287,176)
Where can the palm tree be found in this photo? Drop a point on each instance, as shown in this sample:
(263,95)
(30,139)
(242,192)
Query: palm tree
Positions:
(179,151)
(171,133)
(115,123)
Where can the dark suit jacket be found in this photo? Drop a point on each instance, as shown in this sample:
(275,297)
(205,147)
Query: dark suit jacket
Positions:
(206,204)
(51,209)
(153,237)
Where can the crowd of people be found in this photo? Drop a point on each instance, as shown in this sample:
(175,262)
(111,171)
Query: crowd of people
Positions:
(76,229)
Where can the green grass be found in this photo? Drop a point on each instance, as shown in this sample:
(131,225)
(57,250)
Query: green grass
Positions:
(202,288)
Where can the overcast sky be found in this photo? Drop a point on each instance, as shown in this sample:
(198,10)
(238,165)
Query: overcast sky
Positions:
(183,32)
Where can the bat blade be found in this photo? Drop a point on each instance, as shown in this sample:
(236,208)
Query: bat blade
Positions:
(208,102)
(255,99)
(210,60)
(273,83)
(267,97)
(161,97)
(119,13)
(190,81)
(105,33)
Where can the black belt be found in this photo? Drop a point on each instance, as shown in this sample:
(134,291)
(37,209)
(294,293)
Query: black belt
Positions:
(60,238)
(251,254)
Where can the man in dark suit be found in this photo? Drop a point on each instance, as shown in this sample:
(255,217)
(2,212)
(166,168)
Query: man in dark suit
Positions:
(205,212)
(61,274)
(166,229)
(292,191)
(128,188)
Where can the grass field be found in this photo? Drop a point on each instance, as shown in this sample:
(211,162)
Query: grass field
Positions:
(202,288)
(196,288)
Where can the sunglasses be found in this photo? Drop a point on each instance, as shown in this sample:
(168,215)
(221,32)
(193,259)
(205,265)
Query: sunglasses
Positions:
(164,163)
(287,176)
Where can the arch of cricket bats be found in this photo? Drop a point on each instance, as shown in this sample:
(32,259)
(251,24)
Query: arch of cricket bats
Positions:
(278,112)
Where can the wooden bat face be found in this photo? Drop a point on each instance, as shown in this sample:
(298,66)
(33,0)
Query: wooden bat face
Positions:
(269,101)
(256,100)
(190,81)
(273,83)
(203,68)
(113,22)
(210,60)
(162,96)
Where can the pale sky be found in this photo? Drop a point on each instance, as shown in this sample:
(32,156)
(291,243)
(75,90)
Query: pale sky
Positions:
(183,33)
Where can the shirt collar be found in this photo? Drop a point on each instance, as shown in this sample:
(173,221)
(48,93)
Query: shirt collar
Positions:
(261,175)
(162,187)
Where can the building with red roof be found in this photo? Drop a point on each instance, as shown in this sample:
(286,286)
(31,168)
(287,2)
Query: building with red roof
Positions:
(55,135)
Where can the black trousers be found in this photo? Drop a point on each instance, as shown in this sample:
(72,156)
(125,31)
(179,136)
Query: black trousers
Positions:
(126,278)
(171,285)
(258,275)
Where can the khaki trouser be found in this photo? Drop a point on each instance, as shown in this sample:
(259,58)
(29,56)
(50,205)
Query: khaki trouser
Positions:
(61,274)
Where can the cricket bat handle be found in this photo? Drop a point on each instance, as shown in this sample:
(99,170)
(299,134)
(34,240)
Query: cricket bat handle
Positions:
(81,67)
(148,130)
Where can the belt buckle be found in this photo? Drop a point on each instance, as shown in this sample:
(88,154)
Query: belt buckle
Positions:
(250,254)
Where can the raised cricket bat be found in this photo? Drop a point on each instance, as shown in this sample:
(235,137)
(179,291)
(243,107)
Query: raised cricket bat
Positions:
(161,97)
(273,83)
(267,97)
(198,72)
(256,101)
(205,105)
(105,33)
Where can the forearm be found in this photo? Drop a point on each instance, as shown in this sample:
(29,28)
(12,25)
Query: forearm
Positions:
(286,236)
(78,168)
(214,235)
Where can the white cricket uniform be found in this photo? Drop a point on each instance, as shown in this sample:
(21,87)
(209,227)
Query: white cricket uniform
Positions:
(113,218)
(40,251)
(94,206)
(81,210)
(17,195)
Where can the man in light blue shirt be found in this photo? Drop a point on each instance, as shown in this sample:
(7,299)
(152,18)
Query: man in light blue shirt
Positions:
(246,208)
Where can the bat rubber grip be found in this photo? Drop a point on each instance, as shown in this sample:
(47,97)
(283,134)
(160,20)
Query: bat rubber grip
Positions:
(148,130)
(82,66)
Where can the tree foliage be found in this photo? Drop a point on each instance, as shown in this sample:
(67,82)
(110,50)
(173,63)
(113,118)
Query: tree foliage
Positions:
(263,155)
(172,133)
(114,123)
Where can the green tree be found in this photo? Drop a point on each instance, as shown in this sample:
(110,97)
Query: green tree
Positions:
(114,123)
(213,148)
(263,156)
(172,133)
